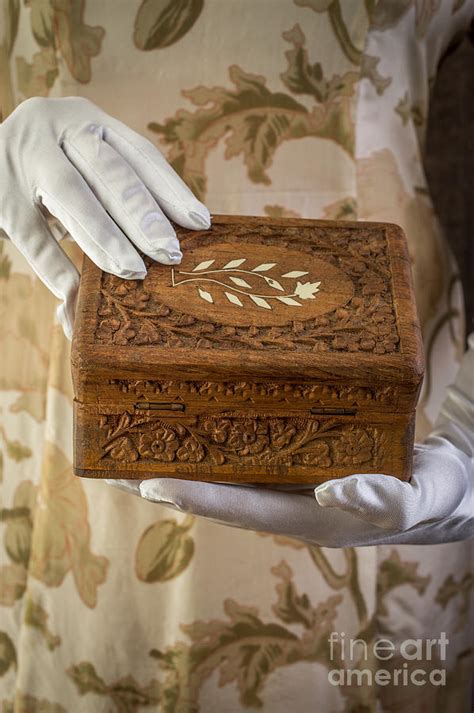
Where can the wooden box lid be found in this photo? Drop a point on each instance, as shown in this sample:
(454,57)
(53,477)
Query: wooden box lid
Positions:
(259,299)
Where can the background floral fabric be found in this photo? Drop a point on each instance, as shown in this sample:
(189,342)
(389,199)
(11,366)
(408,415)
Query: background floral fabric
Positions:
(313,108)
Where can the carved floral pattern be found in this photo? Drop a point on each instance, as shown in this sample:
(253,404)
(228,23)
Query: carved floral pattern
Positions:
(262,441)
(130,315)
(241,391)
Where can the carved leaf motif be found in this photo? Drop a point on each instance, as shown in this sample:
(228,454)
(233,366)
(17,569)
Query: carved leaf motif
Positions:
(244,440)
(341,393)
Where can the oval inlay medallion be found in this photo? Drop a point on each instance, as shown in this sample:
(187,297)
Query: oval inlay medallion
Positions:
(245,284)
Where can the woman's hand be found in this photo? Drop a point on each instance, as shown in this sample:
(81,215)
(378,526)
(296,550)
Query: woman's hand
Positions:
(108,186)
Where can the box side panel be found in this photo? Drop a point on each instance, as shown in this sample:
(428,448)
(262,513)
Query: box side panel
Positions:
(236,447)
(411,342)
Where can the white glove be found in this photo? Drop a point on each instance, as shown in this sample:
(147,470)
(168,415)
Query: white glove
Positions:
(106,184)
(436,506)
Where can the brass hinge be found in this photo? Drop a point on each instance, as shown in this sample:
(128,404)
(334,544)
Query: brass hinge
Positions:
(159,406)
(333,411)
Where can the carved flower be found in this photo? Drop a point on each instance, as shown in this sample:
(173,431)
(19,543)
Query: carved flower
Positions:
(318,455)
(130,292)
(160,444)
(123,449)
(242,390)
(356,267)
(124,335)
(105,310)
(137,300)
(217,431)
(107,328)
(374,284)
(281,433)
(354,448)
(248,436)
(371,246)
(191,451)
(211,389)
(347,341)
(147,333)
(386,345)
(307,290)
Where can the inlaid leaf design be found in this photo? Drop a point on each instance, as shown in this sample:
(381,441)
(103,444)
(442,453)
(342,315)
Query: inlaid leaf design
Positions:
(240,282)
(274,283)
(264,267)
(203,265)
(233,298)
(234,263)
(260,301)
(289,301)
(240,286)
(205,295)
(295,273)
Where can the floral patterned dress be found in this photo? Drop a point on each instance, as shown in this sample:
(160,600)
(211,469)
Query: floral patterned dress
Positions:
(313,108)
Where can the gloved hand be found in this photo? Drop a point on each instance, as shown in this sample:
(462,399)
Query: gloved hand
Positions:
(107,185)
(436,506)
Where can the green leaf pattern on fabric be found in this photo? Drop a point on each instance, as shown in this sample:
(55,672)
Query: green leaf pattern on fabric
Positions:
(37,617)
(244,648)
(164,550)
(460,589)
(62,531)
(255,121)
(24,703)
(126,694)
(7,653)
(161,23)
(59,29)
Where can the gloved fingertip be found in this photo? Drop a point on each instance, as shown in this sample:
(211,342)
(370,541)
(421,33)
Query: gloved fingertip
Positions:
(128,486)
(132,275)
(130,267)
(151,490)
(340,493)
(327,496)
(201,217)
(171,256)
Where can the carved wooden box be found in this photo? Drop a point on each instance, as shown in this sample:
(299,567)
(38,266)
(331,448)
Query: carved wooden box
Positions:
(279,350)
